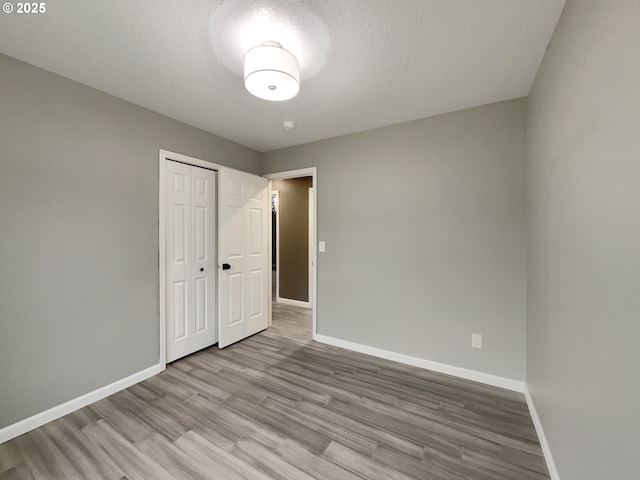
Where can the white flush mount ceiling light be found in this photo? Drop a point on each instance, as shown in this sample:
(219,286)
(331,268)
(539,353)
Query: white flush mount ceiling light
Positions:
(271,72)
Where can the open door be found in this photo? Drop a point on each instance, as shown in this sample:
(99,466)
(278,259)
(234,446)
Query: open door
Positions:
(243,258)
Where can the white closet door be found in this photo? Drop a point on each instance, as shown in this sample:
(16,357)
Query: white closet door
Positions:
(190,258)
(245,264)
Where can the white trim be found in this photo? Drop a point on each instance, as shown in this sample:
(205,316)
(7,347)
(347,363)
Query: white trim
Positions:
(546,450)
(494,380)
(302,172)
(39,419)
(310,248)
(162,156)
(190,160)
(313,173)
(295,303)
(162,285)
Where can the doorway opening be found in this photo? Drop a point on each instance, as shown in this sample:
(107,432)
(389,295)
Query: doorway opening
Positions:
(293,197)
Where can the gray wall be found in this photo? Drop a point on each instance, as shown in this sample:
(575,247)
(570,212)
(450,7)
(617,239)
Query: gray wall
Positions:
(79,235)
(583,302)
(425,234)
(293,217)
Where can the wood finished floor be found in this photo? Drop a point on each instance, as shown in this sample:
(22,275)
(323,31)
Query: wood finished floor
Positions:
(279,406)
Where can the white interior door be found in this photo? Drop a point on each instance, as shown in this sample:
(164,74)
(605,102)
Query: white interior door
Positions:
(190,211)
(244,261)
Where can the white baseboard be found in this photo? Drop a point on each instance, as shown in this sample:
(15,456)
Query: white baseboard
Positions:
(551,465)
(28,424)
(494,380)
(295,303)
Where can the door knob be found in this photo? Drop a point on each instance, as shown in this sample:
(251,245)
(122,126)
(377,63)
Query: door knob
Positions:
(202,269)
(226,266)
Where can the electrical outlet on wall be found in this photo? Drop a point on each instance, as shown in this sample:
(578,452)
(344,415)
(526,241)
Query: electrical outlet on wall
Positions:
(476,340)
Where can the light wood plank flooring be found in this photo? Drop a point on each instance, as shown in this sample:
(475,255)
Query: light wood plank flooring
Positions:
(279,406)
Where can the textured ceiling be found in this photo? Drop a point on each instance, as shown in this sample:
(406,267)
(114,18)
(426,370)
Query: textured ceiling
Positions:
(364,63)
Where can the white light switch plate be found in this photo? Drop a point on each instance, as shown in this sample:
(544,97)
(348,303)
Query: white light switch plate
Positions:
(321,246)
(476,340)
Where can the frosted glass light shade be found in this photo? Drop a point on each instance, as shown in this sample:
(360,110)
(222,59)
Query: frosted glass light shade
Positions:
(271,72)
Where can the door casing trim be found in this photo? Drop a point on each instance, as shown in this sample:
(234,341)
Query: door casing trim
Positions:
(313,173)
